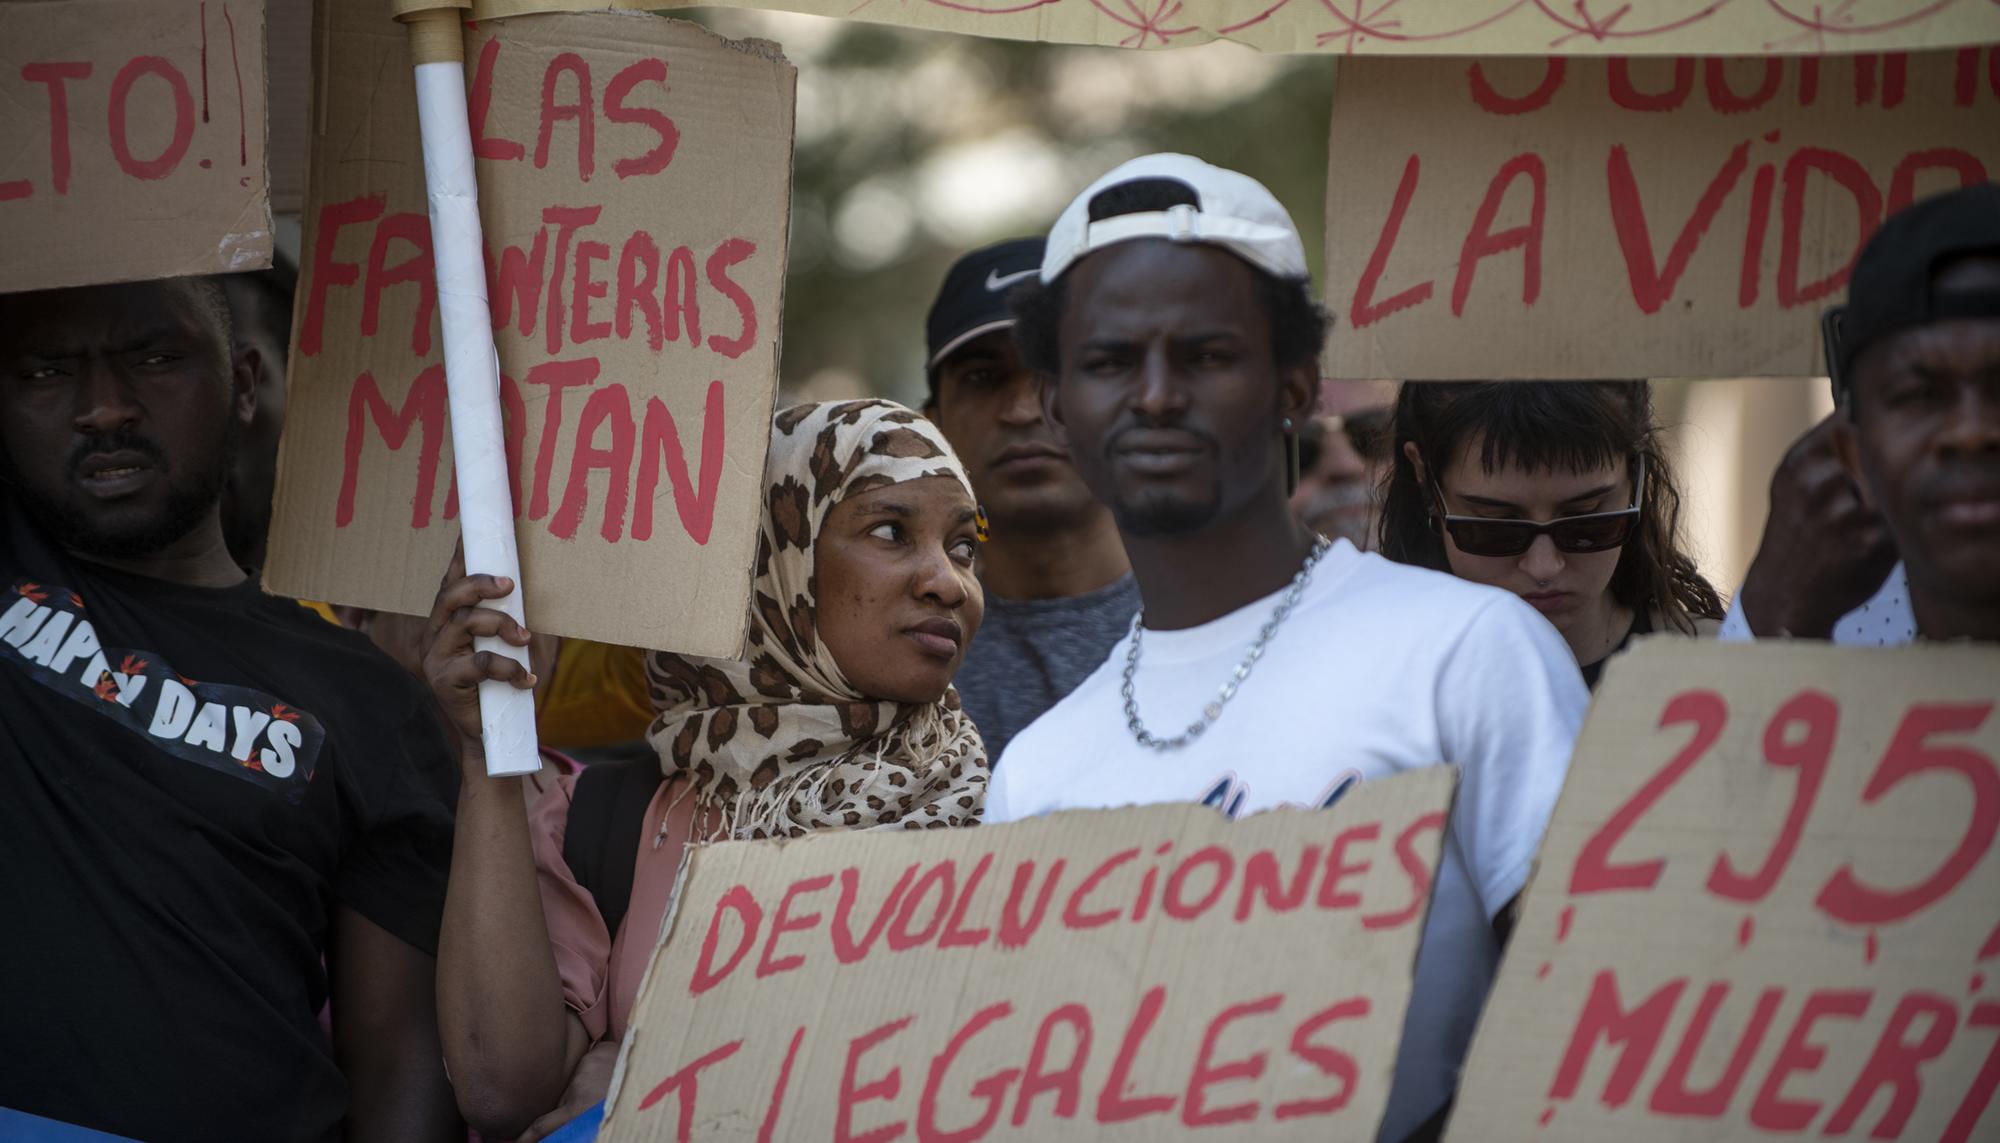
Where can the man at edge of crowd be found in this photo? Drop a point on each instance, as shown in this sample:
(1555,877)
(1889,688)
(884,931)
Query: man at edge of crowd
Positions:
(1059,591)
(216,809)
(1919,357)
(260,312)
(1176,321)
(1826,566)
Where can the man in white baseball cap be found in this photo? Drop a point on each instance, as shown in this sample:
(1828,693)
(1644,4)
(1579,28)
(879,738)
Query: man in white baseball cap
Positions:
(1177,326)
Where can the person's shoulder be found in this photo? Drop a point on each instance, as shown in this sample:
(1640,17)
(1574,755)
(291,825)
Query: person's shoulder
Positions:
(1058,731)
(1411,594)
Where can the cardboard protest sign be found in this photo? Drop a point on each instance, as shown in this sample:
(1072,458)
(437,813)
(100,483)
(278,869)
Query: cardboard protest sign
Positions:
(1768,906)
(1412,27)
(635,185)
(1153,973)
(131,141)
(1553,218)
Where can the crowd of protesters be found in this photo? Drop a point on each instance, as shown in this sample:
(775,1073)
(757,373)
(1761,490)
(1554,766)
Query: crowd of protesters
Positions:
(1131,550)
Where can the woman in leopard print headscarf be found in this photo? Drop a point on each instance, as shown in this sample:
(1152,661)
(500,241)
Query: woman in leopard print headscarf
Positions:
(840,715)
(782,743)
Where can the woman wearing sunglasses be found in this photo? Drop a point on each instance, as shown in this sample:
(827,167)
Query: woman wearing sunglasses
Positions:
(1556,491)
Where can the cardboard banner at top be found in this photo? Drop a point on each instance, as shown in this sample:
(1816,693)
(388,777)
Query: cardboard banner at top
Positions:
(1413,27)
(1768,907)
(1138,974)
(1560,218)
(635,186)
(131,141)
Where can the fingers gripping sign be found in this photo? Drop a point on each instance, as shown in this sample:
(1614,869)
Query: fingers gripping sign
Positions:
(477,666)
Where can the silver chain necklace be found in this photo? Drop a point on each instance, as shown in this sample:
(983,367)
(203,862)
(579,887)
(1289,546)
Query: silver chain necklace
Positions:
(1213,710)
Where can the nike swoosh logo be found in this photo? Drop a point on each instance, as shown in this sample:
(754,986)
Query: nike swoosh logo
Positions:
(996,283)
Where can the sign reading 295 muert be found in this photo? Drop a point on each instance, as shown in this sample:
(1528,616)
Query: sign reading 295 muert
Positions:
(1768,907)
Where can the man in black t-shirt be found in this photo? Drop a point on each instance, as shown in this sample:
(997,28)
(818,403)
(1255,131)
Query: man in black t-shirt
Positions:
(216,810)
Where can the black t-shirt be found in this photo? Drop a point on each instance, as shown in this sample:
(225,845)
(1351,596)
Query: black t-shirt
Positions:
(191,780)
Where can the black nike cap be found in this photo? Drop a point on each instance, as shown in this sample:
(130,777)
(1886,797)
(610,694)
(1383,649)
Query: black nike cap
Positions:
(1891,291)
(973,299)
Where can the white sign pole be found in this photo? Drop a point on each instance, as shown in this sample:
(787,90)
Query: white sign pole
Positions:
(472,367)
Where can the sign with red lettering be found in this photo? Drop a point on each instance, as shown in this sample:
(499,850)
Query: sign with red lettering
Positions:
(1768,907)
(635,184)
(131,141)
(1668,217)
(1142,974)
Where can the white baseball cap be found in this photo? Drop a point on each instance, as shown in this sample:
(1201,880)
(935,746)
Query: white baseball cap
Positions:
(1234,211)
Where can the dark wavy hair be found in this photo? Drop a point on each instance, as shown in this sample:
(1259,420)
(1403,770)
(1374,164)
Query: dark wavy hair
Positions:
(1569,426)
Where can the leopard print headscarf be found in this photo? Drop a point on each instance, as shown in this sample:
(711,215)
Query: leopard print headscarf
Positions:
(780,744)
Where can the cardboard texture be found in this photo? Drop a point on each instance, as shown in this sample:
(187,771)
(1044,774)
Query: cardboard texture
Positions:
(635,186)
(1556,218)
(1768,906)
(1414,27)
(1152,973)
(288,52)
(131,140)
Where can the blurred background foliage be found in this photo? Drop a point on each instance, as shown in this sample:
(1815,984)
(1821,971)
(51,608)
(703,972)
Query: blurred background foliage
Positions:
(914,147)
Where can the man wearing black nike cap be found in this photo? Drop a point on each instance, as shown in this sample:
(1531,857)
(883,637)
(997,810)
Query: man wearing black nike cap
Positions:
(1917,351)
(1059,591)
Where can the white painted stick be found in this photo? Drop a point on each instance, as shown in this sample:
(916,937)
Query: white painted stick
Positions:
(472,376)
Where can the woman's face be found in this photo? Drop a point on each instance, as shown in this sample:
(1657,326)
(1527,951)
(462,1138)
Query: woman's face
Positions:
(898,603)
(1570,589)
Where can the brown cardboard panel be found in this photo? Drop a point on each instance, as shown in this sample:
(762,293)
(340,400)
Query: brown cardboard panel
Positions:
(635,186)
(288,55)
(1768,906)
(1141,974)
(131,141)
(1579,218)
(1410,27)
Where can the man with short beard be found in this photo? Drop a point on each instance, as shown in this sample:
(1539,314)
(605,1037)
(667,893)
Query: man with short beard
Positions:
(1059,591)
(1269,666)
(216,810)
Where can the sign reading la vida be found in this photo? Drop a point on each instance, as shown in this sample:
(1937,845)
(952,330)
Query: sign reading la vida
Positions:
(1583,218)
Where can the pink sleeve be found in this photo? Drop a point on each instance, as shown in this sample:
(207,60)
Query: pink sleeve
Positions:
(577,935)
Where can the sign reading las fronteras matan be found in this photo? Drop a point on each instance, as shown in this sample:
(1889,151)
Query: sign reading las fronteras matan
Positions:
(1768,907)
(1138,974)
(635,186)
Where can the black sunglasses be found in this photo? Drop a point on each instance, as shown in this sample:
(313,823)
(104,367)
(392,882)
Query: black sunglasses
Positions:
(1576,535)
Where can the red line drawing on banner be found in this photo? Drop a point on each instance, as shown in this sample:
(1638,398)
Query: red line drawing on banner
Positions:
(1852,23)
(1363,24)
(1604,27)
(1143,25)
(1254,20)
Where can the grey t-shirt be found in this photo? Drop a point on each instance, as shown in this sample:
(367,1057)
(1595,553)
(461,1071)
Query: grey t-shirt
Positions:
(1030,653)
